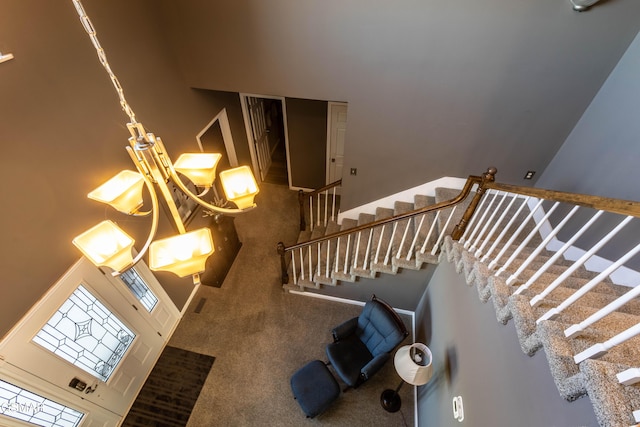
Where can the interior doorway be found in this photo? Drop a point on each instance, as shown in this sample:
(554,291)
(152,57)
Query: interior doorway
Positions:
(265,121)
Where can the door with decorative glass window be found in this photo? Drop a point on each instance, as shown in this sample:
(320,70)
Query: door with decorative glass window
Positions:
(87,338)
(26,400)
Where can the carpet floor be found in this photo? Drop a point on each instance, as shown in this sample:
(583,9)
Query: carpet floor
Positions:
(261,335)
(170,392)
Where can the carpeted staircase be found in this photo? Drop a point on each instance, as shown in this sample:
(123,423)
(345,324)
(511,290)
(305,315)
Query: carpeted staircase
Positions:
(410,243)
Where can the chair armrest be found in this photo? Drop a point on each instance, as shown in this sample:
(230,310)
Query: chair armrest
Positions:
(344,329)
(374,365)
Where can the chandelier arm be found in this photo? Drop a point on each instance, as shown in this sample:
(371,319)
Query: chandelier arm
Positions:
(205,191)
(154,224)
(154,219)
(164,159)
(176,179)
(141,214)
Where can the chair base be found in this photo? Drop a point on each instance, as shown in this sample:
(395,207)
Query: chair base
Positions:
(390,400)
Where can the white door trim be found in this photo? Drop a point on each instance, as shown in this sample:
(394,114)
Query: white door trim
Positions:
(330,105)
(94,415)
(223,119)
(247,126)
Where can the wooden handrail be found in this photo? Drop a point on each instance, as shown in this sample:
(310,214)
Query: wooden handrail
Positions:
(471,180)
(320,190)
(623,207)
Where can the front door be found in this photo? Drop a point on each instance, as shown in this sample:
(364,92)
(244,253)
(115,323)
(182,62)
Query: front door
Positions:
(26,400)
(87,338)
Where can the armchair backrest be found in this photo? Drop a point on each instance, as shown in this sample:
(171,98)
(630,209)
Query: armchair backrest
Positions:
(380,328)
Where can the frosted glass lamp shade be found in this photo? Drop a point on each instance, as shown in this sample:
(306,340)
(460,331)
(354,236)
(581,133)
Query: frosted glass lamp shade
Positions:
(184,254)
(413,363)
(123,192)
(106,245)
(240,186)
(200,168)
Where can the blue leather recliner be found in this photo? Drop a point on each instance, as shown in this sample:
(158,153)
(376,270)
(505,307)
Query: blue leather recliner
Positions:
(362,345)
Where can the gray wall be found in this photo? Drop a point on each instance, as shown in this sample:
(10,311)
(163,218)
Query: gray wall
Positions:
(601,154)
(63,132)
(307,130)
(480,359)
(403,290)
(435,88)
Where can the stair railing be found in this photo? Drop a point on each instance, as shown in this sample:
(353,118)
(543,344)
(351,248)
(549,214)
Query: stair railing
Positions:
(323,204)
(335,249)
(535,224)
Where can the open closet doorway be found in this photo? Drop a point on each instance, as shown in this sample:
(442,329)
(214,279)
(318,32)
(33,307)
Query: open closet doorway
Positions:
(266,124)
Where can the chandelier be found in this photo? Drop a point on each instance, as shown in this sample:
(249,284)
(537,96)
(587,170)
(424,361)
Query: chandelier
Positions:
(185,254)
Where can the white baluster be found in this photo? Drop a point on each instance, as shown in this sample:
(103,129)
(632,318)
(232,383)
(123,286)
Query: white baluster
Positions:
(301,265)
(404,238)
(482,223)
(514,236)
(527,239)
(309,255)
(480,242)
(629,376)
(542,245)
(328,257)
(366,253)
(434,250)
(293,266)
(346,254)
(311,213)
(496,224)
(589,285)
(558,254)
(536,300)
(415,238)
(433,226)
(318,203)
(575,329)
(505,229)
(333,205)
(355,257)
(393,233)
(318,264)
(377,257)
(600,349)
(337,255)
(326,206)
(473,225)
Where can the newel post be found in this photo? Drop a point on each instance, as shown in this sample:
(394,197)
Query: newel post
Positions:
(303,223)
(487,177)
(283,264)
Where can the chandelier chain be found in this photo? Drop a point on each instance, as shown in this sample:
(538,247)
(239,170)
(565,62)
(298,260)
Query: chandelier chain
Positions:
(102,56)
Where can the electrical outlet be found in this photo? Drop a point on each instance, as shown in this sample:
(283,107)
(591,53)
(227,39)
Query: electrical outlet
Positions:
(529,174)
(353,171)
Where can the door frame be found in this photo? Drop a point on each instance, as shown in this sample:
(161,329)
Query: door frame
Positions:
(95,415)
(223,119)
(111,293)
(330,105)
(250,141)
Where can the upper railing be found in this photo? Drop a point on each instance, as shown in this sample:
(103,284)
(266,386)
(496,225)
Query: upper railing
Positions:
(371,246)
(533,239)
(531,246)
